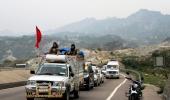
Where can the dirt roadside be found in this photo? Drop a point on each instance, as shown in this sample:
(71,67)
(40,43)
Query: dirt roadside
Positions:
(150,93)
(10,76)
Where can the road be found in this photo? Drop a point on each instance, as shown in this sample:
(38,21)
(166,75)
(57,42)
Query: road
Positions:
(112,89)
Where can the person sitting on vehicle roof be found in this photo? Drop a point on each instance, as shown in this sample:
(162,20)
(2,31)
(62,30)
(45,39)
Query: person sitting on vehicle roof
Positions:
(73,50)
(54,49)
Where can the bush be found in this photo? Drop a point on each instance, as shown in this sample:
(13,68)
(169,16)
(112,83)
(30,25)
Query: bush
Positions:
(130,61)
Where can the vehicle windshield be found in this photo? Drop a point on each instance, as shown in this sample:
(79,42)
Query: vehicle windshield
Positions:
(52,69)
(112,66)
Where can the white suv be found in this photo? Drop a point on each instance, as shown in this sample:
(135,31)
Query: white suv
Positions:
(112,69)
(53,80)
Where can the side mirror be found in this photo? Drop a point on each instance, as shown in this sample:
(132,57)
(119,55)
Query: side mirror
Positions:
(72,74)
(32,72)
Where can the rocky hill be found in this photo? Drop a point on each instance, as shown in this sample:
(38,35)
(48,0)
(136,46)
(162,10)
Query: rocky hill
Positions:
(144,27)
(13,48)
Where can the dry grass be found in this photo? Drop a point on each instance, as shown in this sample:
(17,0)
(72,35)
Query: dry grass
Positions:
(13,76)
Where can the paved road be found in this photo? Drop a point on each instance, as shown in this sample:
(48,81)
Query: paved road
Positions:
(112,89)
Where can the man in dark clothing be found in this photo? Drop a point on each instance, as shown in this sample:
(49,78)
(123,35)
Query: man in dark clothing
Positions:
(73,50)
(54,48)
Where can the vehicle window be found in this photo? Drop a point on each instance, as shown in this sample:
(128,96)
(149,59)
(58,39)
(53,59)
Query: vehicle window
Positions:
(112,66)
(52,69)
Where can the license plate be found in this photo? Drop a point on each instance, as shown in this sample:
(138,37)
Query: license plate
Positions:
(43,90)
(43,87)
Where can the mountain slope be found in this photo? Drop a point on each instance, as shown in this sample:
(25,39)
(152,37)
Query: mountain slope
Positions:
(143,26)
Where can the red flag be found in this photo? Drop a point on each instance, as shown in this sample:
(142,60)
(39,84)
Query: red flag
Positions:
(38,37)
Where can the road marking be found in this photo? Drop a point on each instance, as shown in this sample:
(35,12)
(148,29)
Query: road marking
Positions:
(115,90)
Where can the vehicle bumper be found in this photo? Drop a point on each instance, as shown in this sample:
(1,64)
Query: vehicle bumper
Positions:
(112,75)
(53,92)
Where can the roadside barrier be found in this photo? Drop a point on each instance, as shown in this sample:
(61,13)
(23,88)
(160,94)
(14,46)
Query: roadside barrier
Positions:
(133,72)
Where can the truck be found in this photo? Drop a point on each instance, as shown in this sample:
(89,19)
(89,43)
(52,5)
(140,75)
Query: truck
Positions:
(58,76)
(112,69)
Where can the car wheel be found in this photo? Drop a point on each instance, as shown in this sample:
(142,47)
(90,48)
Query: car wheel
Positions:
(92,85)
(76,93)
(88,87)
(95,84)
(66,95)
(99,83)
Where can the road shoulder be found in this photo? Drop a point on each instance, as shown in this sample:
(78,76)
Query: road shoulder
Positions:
(150,93)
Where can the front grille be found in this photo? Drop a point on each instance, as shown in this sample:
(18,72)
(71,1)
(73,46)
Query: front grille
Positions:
(112,72)
(44,83)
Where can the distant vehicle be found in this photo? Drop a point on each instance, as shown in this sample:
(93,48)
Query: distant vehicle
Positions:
(88,76)
(96,76)
(100,75)
(103,70)
(112,69)
(58,76)
(21,65)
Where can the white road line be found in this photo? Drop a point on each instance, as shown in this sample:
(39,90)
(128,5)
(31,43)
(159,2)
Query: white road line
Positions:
(115,90)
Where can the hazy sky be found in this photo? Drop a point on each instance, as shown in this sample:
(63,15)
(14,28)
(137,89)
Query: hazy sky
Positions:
(22,15)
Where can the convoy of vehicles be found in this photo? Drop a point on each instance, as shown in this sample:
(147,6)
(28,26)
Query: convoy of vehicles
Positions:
(112,69)
(59,76)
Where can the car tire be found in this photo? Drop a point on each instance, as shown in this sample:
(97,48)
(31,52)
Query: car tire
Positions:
(76,94)
(30,98)
(99,83)
(95,84)
(66,95)
(92,85)
(88,87)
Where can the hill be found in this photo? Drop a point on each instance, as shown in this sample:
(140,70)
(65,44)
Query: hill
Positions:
(144,27)
(16,48)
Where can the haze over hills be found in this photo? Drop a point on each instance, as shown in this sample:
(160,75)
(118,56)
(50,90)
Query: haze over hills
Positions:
(144,26)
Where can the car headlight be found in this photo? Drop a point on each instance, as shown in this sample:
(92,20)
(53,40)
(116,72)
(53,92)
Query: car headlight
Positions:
(58,84)
(31,82)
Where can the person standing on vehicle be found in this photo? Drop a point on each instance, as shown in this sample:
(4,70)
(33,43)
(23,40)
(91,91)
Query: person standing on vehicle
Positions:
(73,50)
(54,49)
